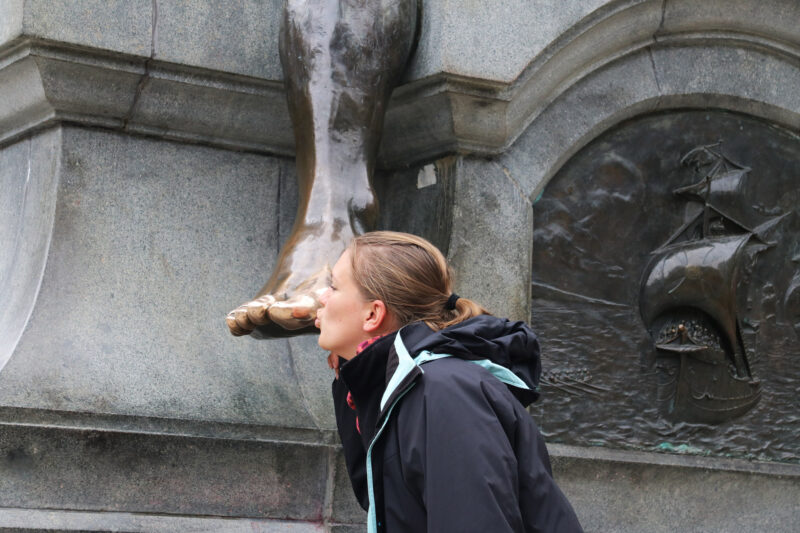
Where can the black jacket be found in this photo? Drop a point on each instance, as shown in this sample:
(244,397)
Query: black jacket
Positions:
(446,445)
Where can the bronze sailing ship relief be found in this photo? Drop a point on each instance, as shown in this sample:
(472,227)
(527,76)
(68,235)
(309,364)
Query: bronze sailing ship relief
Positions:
(668,273)
(694,289)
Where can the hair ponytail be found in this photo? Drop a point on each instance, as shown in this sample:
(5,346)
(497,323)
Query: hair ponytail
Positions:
(411,276)
(464,309)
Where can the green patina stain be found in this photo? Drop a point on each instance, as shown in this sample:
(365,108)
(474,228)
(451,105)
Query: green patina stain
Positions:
(681,448)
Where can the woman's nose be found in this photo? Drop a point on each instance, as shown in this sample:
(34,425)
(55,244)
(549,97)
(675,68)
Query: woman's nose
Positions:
(323,298)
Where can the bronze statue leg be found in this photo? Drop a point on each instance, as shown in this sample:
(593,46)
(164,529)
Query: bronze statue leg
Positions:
(341,59)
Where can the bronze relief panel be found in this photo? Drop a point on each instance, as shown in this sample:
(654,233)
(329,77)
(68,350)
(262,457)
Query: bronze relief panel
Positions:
(666,288)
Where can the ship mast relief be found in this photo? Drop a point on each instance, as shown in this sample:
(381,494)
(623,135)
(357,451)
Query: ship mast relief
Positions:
(694,290)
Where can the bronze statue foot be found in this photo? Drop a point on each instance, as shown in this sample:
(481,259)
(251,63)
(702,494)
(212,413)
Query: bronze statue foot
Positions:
(284,313)
(341,59)
(287,305)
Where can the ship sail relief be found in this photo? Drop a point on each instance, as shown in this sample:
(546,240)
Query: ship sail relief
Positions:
(692,290)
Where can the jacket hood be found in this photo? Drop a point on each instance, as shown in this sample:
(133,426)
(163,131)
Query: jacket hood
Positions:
(512,345)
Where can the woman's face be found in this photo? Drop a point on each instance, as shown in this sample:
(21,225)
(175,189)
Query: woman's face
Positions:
(343,313)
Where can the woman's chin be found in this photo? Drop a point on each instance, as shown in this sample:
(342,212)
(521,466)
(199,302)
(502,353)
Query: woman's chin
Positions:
(325,344)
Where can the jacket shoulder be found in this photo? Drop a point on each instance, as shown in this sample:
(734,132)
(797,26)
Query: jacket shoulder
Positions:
(455,387)
(454,373)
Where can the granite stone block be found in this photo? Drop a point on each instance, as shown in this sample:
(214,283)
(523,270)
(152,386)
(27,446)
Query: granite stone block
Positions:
(106,90)
(508,34)
(749,80)
(240,37)
(28,182)
(115,25)
(620,90)
(314,379)
(175,104)
(11,20)
(51,521)
(490,243)
(153,243)
(346,509)
(630,492)
(23,102)
(14,164)
(85,470)
(421,209)
(422,125)
(348,528)
(775,20)
(606,35)
(477,215)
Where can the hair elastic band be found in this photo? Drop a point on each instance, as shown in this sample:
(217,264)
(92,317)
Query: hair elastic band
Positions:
(451,302)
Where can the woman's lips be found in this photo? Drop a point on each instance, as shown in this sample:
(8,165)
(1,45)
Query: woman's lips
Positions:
(316,323)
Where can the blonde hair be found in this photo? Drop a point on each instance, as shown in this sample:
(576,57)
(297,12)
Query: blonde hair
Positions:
(411,276)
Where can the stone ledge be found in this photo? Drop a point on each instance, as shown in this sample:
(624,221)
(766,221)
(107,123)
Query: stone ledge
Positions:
(629,491)
(563,453)
(45,83)
(29,520)
(68,420)
(626,491)
(45,467)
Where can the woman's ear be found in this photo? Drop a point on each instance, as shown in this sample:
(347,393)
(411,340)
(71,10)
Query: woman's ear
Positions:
(378,318)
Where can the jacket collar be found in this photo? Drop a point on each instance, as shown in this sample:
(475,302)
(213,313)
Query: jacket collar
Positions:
(378,375)
(366,372)
(403,375)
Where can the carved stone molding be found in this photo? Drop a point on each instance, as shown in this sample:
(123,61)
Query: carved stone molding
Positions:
(45,83)
(686,54)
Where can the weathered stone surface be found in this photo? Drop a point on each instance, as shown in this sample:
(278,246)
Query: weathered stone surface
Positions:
(509,35)
(313,379)
(45,85)
(104,89)
(623,89)
(453,102)
(239,37)
(34,520)
(11,21)
(348,528)
(420,207)
(346,509)
(491,238)
(476,213)
(116,25)
(152,244)
(28,181)
(242,38)
(610,33)
(85,470)
(176,104)
(775,20)
(749,80)
(23,103)
(636,491)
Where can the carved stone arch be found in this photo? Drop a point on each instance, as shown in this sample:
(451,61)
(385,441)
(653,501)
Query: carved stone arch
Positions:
(633,58)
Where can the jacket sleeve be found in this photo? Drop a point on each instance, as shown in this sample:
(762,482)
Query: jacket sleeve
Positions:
(354,453)
(460,457)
